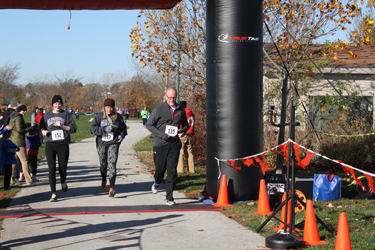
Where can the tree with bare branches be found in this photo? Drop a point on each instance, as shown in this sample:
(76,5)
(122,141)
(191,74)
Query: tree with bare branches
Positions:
(9,73)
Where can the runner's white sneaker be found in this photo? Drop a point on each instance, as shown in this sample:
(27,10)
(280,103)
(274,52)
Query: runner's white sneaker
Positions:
(171,203)
(155,188)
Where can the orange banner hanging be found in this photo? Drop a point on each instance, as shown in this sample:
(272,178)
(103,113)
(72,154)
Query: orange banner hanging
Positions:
(248,161)
(306,161)
(351,171)
(263,163)
(234,167)
(370,180)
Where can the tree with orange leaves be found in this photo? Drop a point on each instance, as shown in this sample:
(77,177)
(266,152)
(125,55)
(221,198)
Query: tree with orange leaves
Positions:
(363,31)
(173,41)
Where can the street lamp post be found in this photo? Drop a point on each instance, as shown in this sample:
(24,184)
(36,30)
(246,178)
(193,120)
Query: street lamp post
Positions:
(178,50)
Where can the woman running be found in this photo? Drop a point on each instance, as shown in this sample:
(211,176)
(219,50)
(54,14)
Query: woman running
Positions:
(56,126)
(110,130)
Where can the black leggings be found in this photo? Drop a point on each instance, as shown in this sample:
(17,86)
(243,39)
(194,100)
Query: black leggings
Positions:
(33,161)
(7,175)
(62,151)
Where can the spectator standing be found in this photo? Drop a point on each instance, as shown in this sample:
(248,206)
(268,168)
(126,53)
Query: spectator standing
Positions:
(110,130)
(39,116)
(144,113)
(3,129)
(56,126)
(32,150)
(8,157)
(19,138)
(70,111)
(187,142)
(164,123)
(77,114)
(34,114)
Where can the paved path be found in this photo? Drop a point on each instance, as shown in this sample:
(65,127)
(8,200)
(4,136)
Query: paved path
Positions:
(85,218)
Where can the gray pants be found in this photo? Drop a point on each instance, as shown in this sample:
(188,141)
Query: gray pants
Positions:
(108,159)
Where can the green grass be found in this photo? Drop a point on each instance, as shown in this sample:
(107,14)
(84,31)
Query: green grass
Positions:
(145,144)
(360,213)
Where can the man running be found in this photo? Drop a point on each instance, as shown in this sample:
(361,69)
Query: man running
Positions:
(164,123)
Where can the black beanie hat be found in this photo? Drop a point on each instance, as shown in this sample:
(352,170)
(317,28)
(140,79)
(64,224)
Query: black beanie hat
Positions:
(21,107)
(57,98)
(109,102)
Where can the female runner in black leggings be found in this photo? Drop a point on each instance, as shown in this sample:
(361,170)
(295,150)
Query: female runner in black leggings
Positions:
(56,126)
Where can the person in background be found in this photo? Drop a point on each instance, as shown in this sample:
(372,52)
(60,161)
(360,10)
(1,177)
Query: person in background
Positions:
(32,150)
(110,130)
(34,114)
(39,116)
(56,126)
(187,142)
(8,157)
(126,112)
(4,123)
(144,113)
(19,138)
(164,123)
(77,114)
(70,111)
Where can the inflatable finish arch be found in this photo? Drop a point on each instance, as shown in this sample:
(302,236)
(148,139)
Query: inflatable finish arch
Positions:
(234,99)
(234,81)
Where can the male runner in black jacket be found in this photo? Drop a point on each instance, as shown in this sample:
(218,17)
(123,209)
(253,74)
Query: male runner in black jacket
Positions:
(164,123)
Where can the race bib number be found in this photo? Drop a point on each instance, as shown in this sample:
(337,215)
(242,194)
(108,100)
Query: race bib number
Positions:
(57,135)
(171,130)
(107,136)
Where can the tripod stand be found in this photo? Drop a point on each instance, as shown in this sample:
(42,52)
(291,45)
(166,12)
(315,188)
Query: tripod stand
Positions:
(286,239)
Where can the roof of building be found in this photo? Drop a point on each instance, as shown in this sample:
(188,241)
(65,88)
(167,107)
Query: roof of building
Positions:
(364,57)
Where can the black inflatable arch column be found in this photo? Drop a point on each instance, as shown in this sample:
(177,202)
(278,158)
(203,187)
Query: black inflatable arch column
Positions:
(234,94)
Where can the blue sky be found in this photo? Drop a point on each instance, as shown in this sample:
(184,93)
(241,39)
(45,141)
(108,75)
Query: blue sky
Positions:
(98,42)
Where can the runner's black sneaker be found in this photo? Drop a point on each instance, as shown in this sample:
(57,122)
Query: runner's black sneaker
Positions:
(64,187)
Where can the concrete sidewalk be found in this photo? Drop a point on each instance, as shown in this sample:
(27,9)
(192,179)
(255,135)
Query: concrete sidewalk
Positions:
(85,218)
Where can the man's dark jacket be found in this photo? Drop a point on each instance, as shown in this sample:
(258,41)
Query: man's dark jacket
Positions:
(162,116)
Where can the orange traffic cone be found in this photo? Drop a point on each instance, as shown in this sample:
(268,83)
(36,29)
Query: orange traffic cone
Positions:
(343,237)
(222,198)
(283,216)
(263,203)
(310,231)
